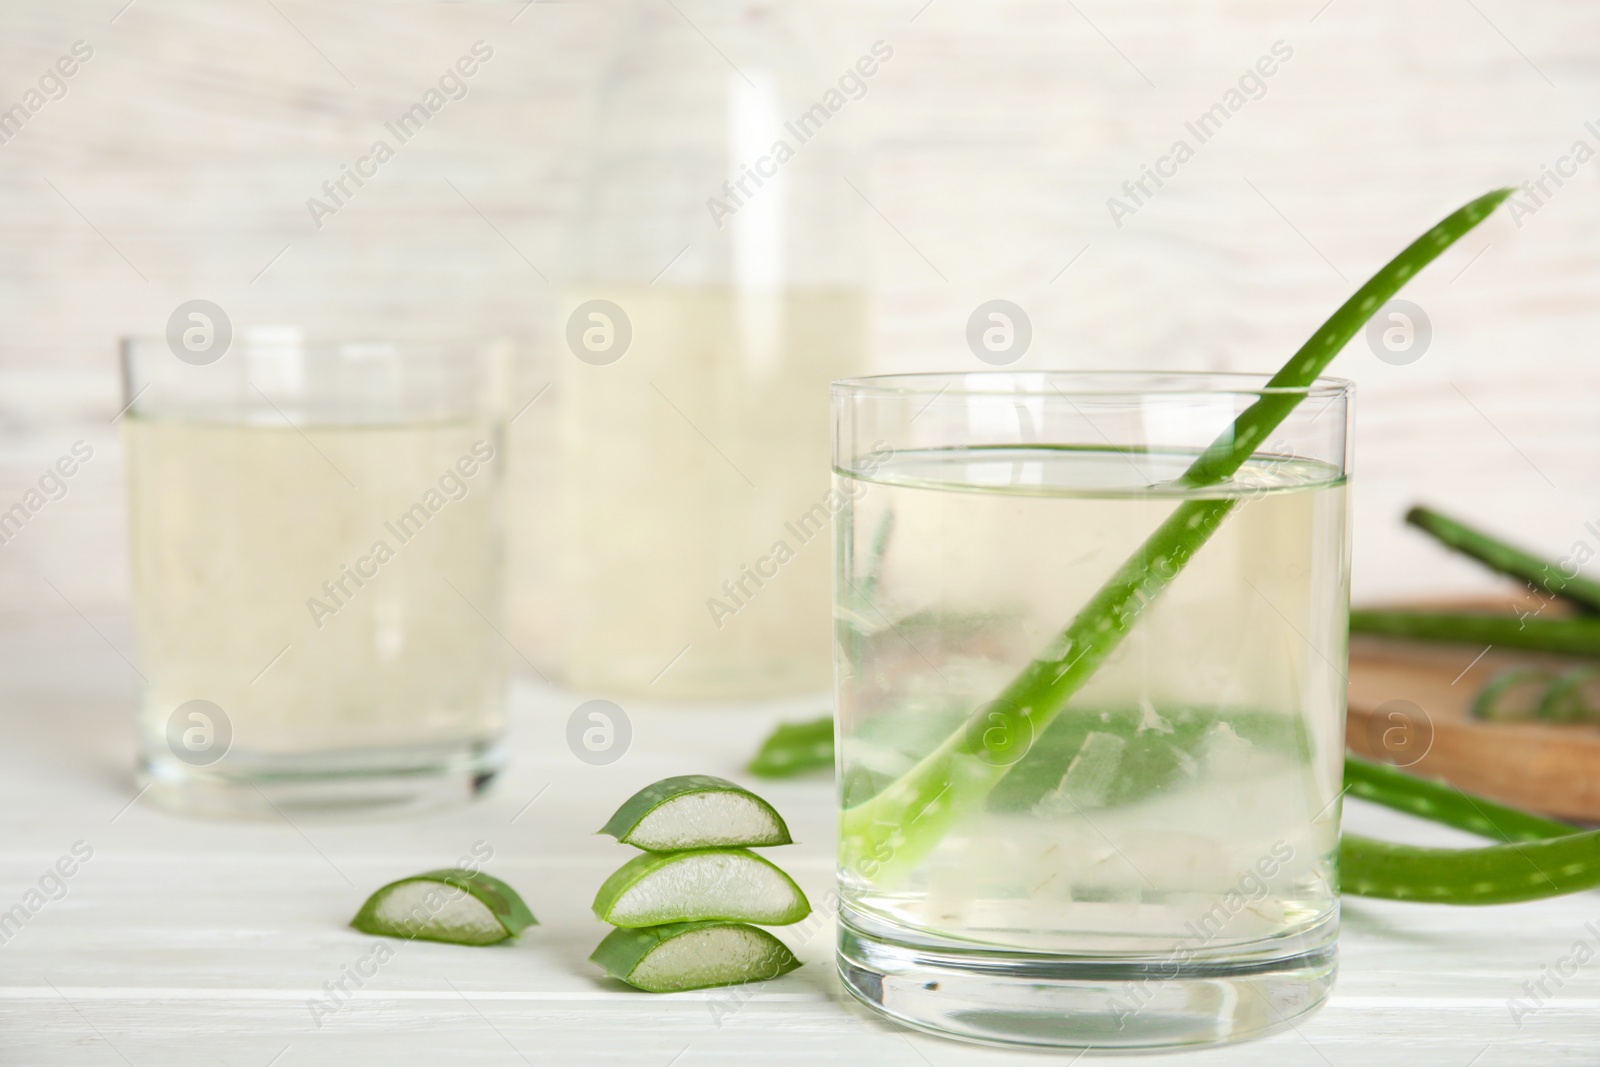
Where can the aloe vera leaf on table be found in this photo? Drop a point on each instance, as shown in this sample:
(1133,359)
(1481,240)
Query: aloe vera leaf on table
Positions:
(1576,637)
(1507,559)
(1443,803)
(1537,694)
(1497,874)
(1536,857)
(692,955)
(1514,694)
(887,834)
(795,748)
(1565,700)
(696,811)
(453,905)
(731,884)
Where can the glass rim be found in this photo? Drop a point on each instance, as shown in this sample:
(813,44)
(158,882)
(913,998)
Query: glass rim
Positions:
(1083,383)
(334,345)
(327,380)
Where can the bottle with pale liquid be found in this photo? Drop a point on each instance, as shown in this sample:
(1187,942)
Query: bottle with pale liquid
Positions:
(713,288)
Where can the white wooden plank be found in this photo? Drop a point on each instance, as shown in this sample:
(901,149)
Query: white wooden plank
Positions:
(197,941)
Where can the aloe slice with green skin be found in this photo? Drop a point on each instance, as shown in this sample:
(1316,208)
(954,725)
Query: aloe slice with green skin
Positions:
(453,905)
(728,884)
(884,837)
(693,955)
(795,748)
(696,811)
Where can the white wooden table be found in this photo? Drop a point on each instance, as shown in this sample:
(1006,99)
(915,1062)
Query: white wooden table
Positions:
(201,942)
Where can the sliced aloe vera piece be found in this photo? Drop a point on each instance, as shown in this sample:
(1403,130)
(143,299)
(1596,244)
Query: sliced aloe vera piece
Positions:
(795,748)
(455,905)
(696,811)
(720,883)
(693,955)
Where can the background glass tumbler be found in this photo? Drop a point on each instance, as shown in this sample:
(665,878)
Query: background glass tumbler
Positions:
(317,565)
(1122,832)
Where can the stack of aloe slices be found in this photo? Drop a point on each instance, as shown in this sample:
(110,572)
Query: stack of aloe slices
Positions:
(688,911)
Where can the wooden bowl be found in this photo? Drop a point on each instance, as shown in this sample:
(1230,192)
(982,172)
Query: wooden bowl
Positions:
(1410,705)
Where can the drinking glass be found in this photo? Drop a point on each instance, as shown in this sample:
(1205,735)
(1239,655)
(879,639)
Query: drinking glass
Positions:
(1090,712)
(317,570)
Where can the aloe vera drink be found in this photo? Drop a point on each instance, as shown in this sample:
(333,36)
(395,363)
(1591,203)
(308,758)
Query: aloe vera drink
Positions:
(1183,806)
(317,568)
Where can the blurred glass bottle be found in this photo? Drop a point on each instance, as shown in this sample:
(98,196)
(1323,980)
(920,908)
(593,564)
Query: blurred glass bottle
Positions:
(713,287)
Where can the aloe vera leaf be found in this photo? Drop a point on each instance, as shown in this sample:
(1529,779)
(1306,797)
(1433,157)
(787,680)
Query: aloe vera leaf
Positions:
(1251,428)
(692,955)
(1489,704)
(454,905)
(1539,858)
(853,637)
(1578,637)
(1155,755)
(880,545)
(730,884)
(1150,760)
(696,811)
(1497,874)
(1563,701)
(886,835)
(1444,803)
(795,748)
(1507,559)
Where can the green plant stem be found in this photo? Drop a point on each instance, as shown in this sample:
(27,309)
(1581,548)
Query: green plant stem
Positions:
(1498,874)
(1563,701)
(1538,857)
(1486,706)
(1507,559)
(885,835)
(1444,803)
(1578,637)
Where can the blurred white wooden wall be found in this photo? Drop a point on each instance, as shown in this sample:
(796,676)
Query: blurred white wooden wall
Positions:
(179,162)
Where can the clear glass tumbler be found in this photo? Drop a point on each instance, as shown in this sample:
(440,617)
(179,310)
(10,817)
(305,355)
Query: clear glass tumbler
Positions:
(1090,703)
(317,565)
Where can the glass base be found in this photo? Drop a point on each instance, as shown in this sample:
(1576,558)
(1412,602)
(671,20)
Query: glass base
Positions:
(1079,1002)
(381,780)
